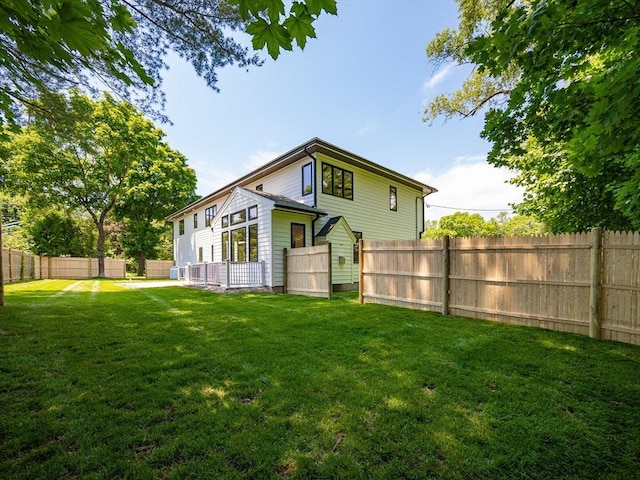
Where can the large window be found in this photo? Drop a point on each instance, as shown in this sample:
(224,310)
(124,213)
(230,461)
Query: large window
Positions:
(225,246)
(239,245)
(307,179)
(393,198)
(253,243)
(337,182)
(298,235)
(209,213)
(181,227)
(356,247)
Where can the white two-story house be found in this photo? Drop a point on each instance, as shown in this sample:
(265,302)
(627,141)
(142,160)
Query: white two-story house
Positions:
(314,194)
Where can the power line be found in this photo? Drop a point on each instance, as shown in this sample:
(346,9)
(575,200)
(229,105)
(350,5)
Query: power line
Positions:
(428,205)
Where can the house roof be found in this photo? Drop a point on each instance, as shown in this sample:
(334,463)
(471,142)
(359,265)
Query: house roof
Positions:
(280,201)
(324,231)
(307,149)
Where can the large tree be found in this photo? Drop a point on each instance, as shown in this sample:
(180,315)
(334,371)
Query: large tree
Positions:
(80,154)
(558,81)
(155,186)
(122,44)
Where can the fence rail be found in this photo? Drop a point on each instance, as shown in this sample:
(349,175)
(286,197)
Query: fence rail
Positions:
(580,283)
(227,274)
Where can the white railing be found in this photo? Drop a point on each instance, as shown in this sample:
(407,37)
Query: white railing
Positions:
(227,274)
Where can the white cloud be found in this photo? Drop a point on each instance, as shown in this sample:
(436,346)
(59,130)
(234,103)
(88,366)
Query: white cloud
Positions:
(438,77)
(470,183)
(367,128)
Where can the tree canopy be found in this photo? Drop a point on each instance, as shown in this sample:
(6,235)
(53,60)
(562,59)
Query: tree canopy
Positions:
(464,225)
(86,155)
(558,81)
(122,45)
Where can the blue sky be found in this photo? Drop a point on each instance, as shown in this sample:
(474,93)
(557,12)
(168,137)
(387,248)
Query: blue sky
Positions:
(362,85)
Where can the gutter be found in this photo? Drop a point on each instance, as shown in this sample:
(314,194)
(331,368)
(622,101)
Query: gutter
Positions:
(315,195)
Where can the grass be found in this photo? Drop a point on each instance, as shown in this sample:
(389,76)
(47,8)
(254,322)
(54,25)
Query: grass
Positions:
(98,381)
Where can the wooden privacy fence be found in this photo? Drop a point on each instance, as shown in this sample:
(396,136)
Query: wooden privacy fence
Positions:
(582,283)
(18,265)
(158,268)
(307,271)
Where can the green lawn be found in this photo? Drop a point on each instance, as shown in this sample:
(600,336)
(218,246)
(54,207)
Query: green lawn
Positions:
(98,381)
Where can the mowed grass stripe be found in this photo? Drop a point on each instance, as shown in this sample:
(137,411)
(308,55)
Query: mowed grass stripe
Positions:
(177,383)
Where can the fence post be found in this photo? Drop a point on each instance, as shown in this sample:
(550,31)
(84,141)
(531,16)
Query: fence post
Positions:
(330,282)
(361,270)
(446,266)
(10,265)
(206,274)
(285,269)
(228,273)
(595,290)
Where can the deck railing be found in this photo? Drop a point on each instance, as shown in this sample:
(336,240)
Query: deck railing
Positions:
(227,274)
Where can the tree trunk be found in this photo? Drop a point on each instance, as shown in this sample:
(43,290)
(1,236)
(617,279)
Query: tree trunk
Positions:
(101,238)
(141,263)
(1,264)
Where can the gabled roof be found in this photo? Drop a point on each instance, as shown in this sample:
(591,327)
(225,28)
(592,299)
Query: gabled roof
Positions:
(332,225)
(307,149)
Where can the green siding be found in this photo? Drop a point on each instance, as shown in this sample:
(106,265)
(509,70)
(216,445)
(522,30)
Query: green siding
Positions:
(281,239)
(369,211)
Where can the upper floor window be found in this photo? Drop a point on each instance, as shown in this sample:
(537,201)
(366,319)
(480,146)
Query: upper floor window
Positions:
(253,212)
(393,198)
(195,220)
(307,179)
(337,181)
(209,213)
(181,227)
(225,221)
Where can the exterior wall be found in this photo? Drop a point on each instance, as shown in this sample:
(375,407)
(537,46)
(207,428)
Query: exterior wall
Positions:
(369,211)
(240,202)
(287,182)
(342,246)
(281,228)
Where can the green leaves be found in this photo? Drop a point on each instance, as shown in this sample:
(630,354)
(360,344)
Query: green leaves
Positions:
(272,26)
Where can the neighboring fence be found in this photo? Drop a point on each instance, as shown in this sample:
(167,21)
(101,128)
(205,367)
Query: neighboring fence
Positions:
(227,274)
(158,268)
(307,271)
(581,283)
(18,265)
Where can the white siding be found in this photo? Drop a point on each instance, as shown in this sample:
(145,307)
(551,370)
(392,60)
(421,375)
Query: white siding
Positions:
(239,202)
(369,211)
(286,182)
(281,227)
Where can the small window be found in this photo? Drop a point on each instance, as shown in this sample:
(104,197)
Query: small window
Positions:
(337,182)
(253,242)
(393,199)
(307,179)
(298,235)
(253,212)
(195,220)
(238,217)
(181,227)
(200,255)
(225,221)
(259,188)
(239,245)
(356,247)
(225,246)
(212,257)
(209,213)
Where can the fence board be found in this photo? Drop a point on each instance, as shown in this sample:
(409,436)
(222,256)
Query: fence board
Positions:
(308,271)
(534,281)
(158,268)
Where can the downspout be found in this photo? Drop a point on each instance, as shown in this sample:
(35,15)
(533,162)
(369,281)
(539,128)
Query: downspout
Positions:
(420,230)
(315,196)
